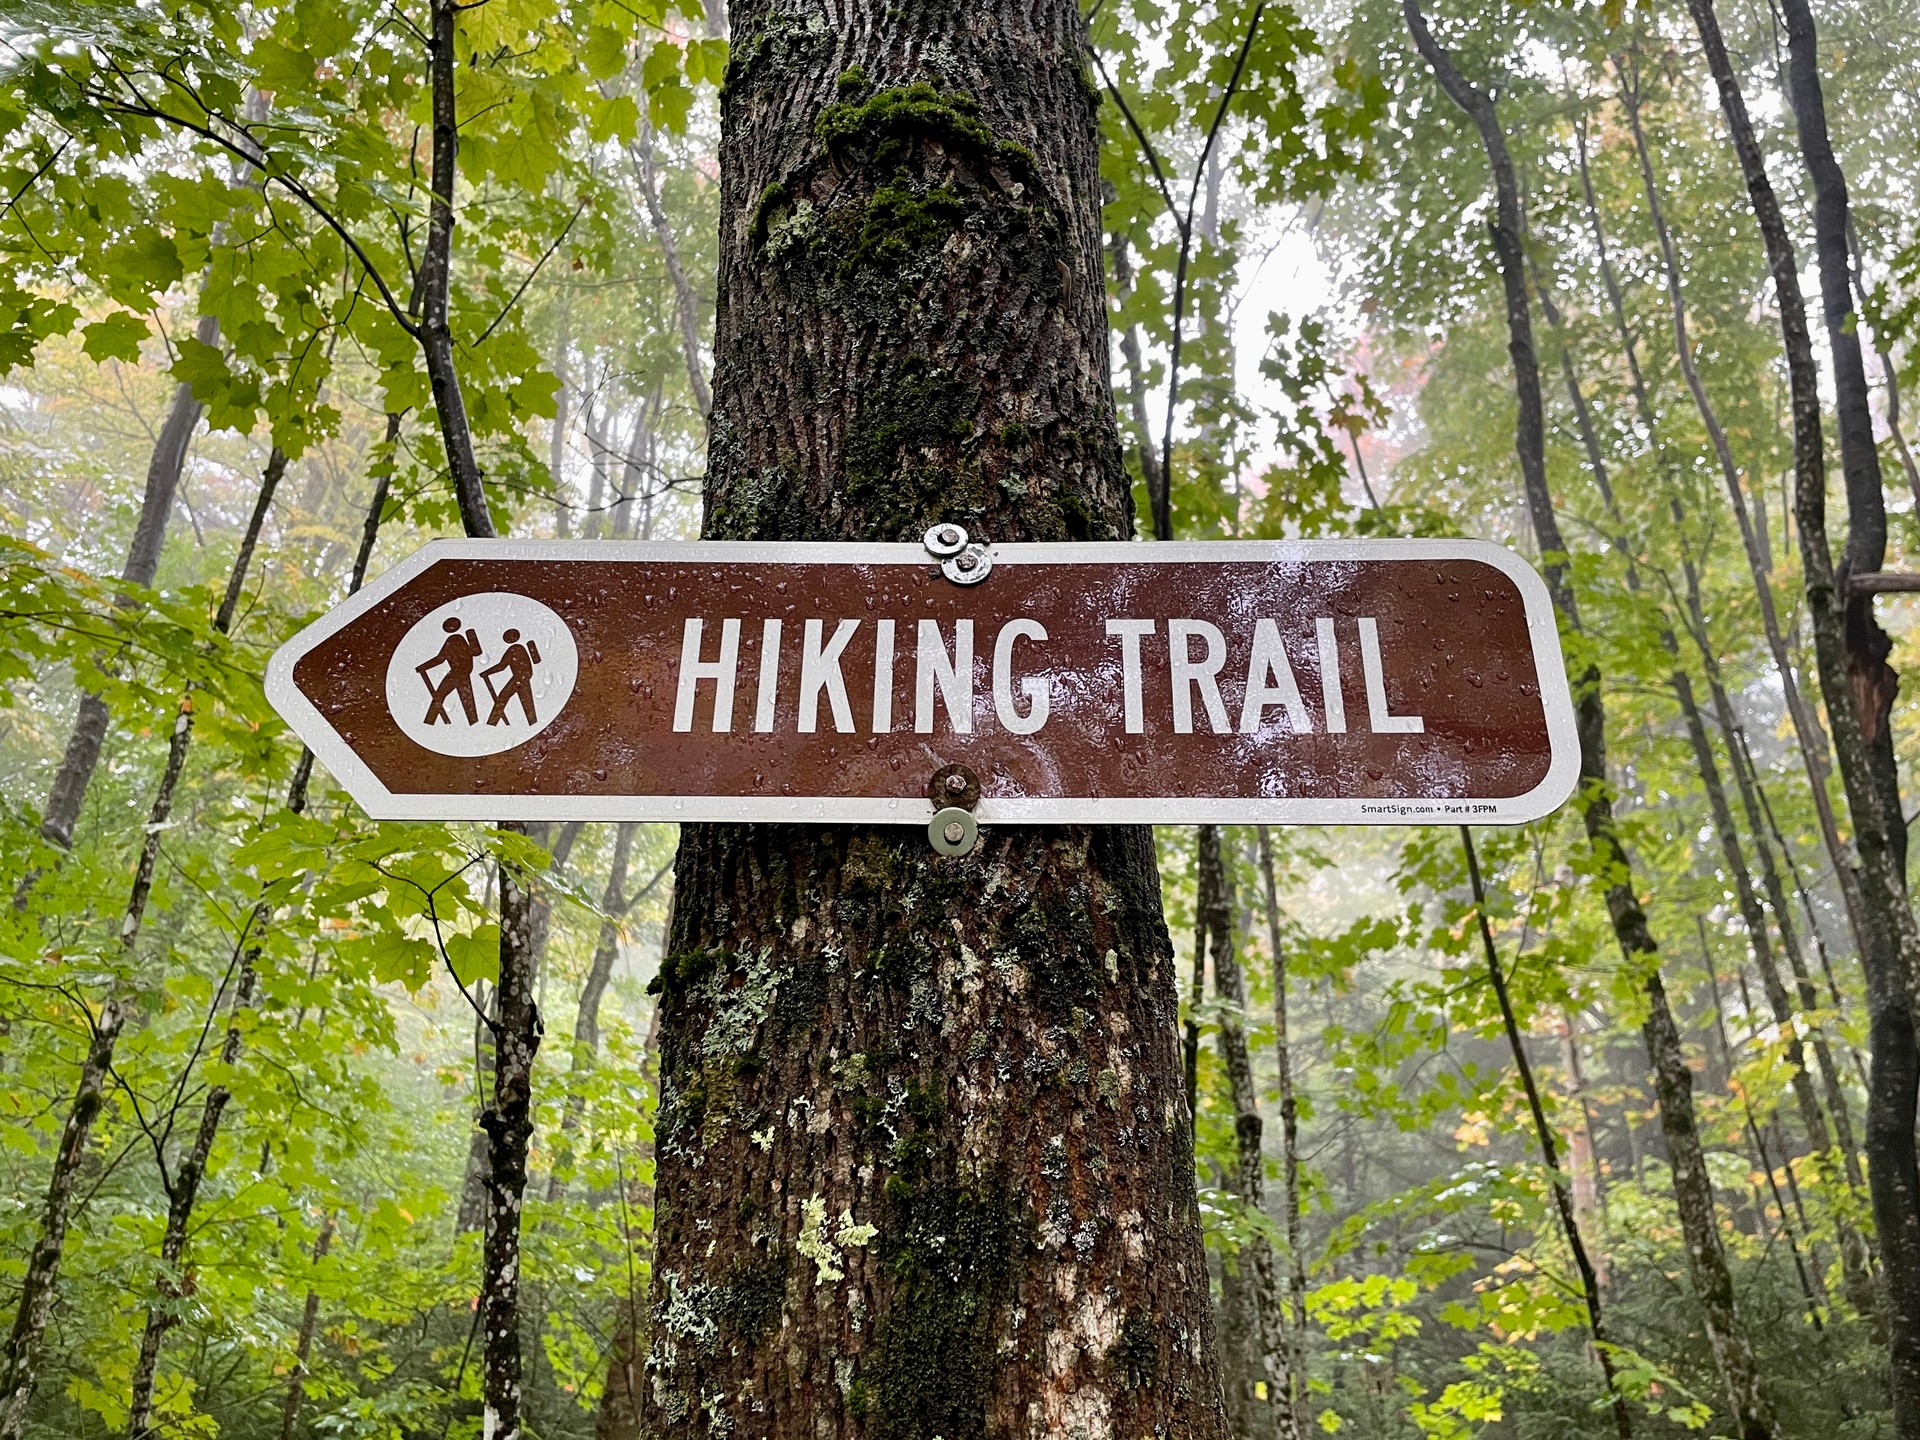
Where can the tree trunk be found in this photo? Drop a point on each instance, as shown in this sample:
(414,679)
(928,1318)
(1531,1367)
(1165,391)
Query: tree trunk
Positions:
(557,432)
(1811,1287)
(1296,1352)
(20,1361)
(1693,1190)
(183,1187)
(1809,736)
(1196,996)
(1890,947)
(1806,724)
(586,1019)
(471,1213)
(435,334)
(303,1341)
(685,308)
(1545,1137)
(18,1372)
(924,1166)
(1868,646)
(1741,763)
(619,1415)
(1130,354)
(169,459)
(1741,876)
(1253,1415)
(1588,1199)
(179,1214)
(507,1121)
(1673,1082)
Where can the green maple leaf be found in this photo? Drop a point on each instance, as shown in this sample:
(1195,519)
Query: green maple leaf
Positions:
(475,956)
(670,104)
(116,337)
(605,52)
(232,401)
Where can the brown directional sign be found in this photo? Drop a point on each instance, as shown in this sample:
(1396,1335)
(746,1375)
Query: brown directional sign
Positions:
(1374,682)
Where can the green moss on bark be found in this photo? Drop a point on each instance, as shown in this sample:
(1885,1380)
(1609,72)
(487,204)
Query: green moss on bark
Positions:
(920,408)
(901,222)
(891,123)
(951,1251)
(748,1303)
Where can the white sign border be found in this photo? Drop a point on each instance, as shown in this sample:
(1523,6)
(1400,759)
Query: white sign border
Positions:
(359,781)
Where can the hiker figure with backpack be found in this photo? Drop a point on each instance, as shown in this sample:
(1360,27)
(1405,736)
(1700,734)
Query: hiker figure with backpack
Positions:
(518,661)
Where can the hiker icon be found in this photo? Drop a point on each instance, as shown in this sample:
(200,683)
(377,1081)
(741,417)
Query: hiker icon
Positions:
(518,661)
(457,654)
(481,674)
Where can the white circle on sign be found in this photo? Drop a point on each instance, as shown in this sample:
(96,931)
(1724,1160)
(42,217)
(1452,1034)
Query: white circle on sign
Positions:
(481,674)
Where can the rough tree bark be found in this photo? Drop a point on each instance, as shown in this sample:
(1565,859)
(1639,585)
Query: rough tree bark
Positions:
(1890,948)
(435,333)
(924,1166)
(1673,1082)
(1874,681)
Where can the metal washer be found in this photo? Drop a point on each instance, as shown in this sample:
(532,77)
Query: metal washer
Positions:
(953,831)
(969,567)
(945,539)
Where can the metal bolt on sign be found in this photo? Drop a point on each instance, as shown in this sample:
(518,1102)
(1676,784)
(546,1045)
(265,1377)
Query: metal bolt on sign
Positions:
(953,832)
(943,541)
(956,790)
(962,562)
(970,566)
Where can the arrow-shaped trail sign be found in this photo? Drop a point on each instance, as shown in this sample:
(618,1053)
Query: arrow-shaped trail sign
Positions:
(1373,682)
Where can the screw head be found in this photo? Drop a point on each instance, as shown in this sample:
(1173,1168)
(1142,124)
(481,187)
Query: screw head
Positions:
(970,566)
(945,539)
(956,783)
(952,832)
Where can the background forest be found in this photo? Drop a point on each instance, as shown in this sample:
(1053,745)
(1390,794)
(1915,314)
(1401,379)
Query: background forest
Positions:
(248,1037)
